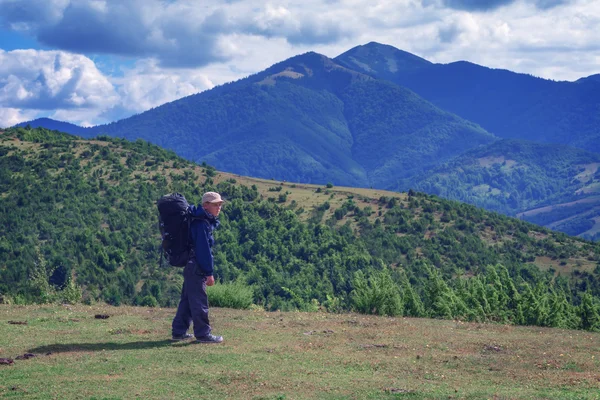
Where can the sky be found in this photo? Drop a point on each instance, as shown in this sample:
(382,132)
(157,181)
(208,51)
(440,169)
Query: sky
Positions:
(91,62)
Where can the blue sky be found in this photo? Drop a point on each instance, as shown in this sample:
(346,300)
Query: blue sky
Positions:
(91,62)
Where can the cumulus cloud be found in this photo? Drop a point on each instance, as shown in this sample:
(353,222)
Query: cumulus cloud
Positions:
(546,4)
(32,79)
(29,15)
(146,85)
(475,5)
(555,42)
(488,5)
(12,116)
(176,33)
(69,87)
(297,27)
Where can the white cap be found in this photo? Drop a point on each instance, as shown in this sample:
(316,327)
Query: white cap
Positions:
(212,197)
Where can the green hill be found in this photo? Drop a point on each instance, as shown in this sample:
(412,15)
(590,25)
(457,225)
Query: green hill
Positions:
(81,214)
(551,185)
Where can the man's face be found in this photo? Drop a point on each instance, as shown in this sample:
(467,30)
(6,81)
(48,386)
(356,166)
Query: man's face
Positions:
(213,209)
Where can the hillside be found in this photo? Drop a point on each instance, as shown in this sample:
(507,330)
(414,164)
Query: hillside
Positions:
(281,355)
(53,125)
(309,120)
(505,103)
(551,185)
(81,213)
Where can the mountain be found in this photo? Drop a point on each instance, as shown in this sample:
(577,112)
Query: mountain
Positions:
(80,216)
(60,126)
(595,78)
(505,103)
(307,119)
(551,185)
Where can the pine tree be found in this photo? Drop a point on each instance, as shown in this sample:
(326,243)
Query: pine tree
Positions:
(589,313)
(413,306)
(440,299)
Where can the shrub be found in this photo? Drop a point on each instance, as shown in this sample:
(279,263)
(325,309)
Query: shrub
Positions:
(230,295)
(149,301)
(376,295)
(71,293)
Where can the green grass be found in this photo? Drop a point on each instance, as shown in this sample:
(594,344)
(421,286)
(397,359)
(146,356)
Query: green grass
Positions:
(288,356)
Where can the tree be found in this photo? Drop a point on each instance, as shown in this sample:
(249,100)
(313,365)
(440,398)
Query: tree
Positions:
(589,313)
(376,295)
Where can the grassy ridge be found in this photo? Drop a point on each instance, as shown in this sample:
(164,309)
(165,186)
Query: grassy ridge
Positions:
(288,356)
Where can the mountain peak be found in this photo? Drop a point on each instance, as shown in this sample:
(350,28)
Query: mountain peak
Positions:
(380,59)
(53,124)
(593,78)
(309,65)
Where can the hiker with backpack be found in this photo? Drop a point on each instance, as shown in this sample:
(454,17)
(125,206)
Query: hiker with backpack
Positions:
(198,272)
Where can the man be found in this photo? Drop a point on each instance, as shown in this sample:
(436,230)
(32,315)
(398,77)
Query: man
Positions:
(198,274)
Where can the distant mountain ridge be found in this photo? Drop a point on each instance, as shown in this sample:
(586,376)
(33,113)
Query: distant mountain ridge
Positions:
(508,104)
(61,126)
(307,119)
(559,186)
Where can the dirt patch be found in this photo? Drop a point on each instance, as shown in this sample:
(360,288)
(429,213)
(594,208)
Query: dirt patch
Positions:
(489,161)
(535,211)
(288,73)
(596,228)
(593,188)
(588,173)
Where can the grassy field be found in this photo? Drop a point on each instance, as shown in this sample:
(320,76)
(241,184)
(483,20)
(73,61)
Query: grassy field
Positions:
(287,356)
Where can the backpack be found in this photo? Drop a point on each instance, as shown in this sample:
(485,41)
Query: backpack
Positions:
(174,219)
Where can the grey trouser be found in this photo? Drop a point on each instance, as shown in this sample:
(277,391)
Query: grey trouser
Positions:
(193,305)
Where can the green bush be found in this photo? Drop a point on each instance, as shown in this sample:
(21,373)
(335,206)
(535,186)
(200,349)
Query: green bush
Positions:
(149,301)
(376,295)
(230,295)
(71,293)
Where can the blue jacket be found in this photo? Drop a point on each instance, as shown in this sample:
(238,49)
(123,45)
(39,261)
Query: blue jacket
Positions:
(202,228)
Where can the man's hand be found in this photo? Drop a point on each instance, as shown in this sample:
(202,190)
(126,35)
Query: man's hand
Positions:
(210,280)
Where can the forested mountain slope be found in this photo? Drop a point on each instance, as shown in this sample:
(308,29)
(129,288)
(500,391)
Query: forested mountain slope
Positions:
(505,103)
(550,185)
(310,120)
(81,211)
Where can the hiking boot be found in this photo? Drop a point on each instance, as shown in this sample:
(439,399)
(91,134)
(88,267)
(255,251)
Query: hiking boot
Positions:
(179,338)
(209,339)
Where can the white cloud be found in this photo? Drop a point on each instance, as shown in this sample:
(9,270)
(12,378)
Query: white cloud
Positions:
(30,15)
(33,79)
(13,116)
(146,85)
(69,87)
(176,33)
(298,26)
